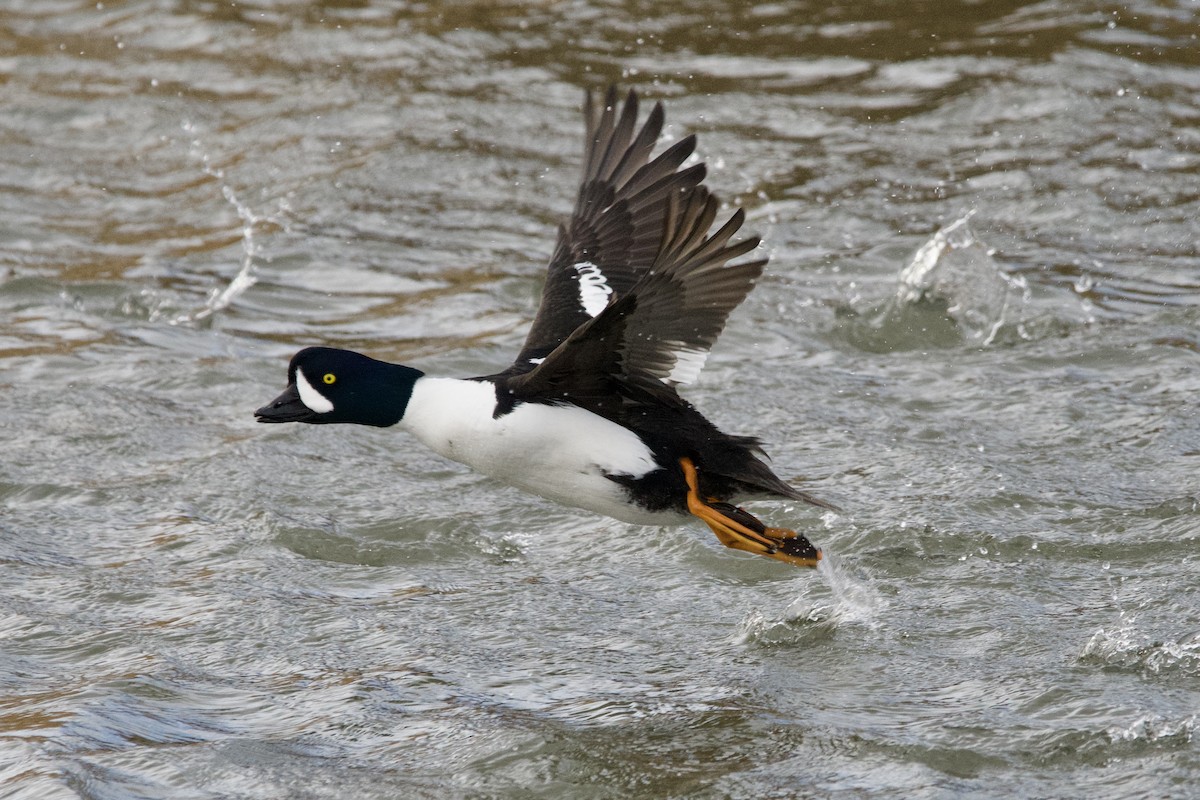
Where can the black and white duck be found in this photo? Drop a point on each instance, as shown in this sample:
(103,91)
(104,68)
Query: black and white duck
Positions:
(588,415)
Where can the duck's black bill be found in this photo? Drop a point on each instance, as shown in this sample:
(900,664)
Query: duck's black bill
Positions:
(288,407)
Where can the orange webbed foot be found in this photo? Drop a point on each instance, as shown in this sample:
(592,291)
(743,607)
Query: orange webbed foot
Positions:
(737,528)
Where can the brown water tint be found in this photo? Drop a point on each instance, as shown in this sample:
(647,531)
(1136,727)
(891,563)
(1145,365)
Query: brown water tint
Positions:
(192,606)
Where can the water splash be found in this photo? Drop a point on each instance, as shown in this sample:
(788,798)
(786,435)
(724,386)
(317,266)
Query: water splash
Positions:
(955,268)
(1155,729)
(855,600)
(951,292)
(220,299)
(1128,648)
(803,622)
(851,601)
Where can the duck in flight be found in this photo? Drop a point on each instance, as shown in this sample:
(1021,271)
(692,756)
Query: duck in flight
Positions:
(588,415)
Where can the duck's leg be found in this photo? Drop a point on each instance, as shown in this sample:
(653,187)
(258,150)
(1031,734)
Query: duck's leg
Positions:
(741,530)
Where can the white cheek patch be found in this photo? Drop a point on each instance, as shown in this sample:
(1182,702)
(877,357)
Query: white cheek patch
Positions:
(594,290)
(311,397)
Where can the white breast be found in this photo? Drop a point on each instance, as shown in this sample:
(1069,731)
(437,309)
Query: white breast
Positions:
(559,452)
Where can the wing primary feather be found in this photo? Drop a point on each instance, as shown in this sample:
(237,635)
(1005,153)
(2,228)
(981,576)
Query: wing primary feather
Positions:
(600,130)
(662,167)
(716,242)
(638,153)
(687,219)
(619,139)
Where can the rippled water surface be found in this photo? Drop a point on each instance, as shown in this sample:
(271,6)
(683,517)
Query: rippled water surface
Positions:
(978,336)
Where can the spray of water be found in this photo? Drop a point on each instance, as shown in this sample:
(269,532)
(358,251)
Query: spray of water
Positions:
(956,268)
(843,598)
(221,298)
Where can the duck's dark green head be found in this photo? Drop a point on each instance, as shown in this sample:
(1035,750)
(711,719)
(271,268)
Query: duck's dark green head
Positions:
(330,385)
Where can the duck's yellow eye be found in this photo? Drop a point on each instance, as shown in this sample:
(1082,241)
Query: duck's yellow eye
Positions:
(329,378)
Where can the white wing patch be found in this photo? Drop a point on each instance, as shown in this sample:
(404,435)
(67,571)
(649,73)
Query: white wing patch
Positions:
(311,397)
(688,363)
(594,290)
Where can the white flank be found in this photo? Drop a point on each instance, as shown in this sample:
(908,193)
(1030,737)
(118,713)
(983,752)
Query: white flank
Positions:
(594,290)
(560,452)
(311,397)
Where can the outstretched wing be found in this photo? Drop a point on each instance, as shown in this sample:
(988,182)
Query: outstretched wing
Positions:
(658,333)
(615,233)
(624,363)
